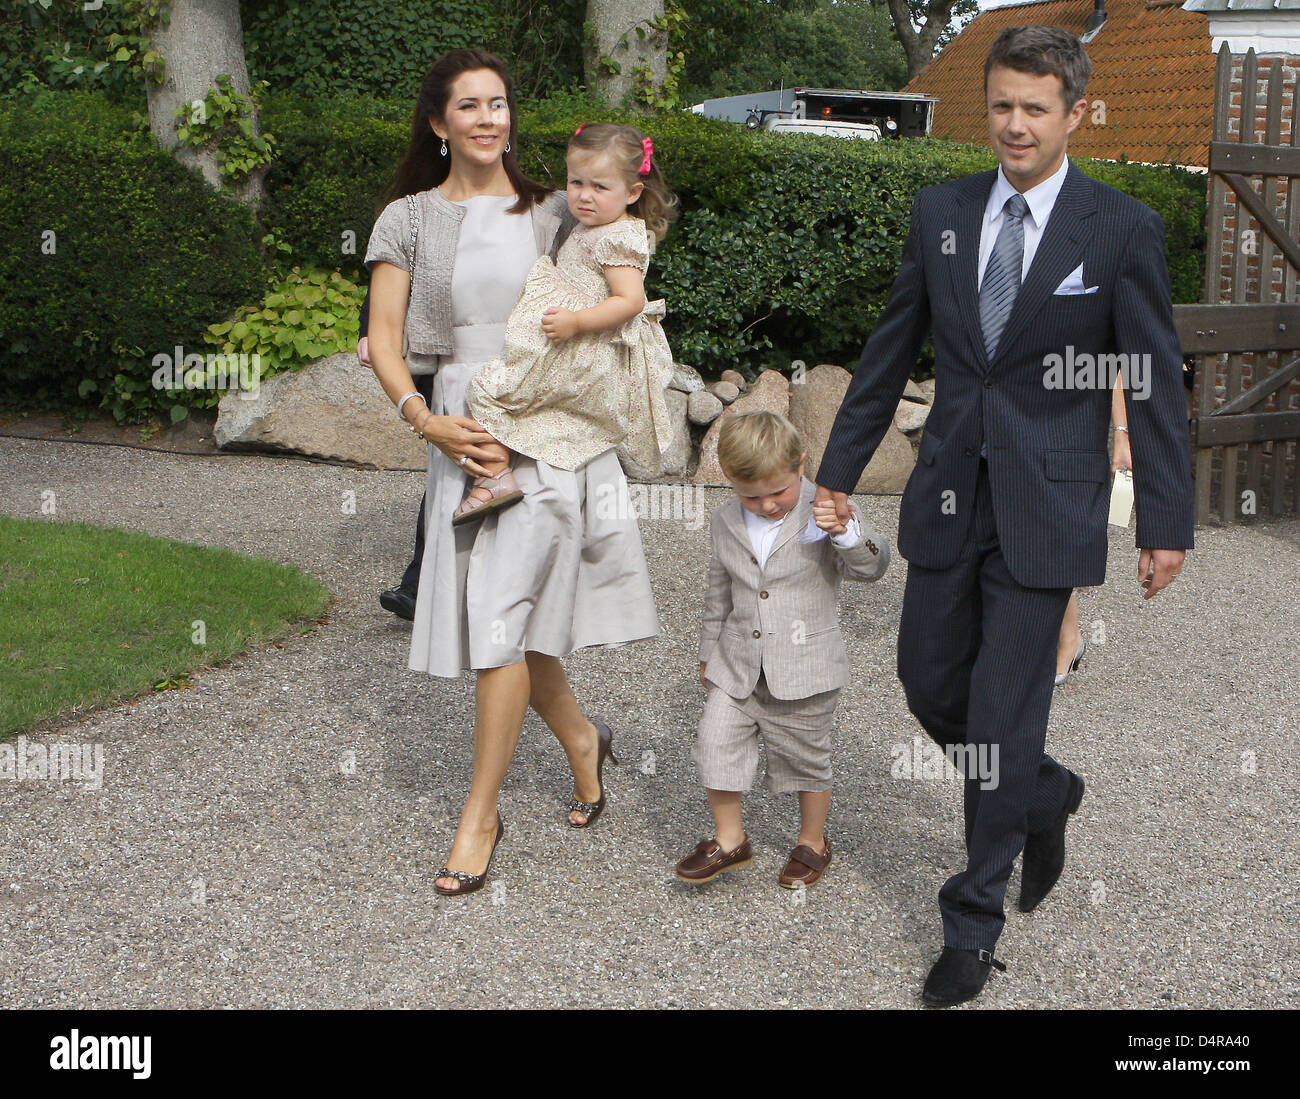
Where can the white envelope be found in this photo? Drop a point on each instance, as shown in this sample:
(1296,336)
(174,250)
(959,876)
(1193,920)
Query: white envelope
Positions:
(1121,498)
(1073,284)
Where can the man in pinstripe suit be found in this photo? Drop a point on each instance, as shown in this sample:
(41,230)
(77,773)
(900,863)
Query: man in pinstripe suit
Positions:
(1025,276)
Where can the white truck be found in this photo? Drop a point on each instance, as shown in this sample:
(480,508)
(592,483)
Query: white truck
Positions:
(837,112)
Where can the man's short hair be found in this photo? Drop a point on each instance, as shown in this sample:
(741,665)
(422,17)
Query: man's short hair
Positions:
(1042,51)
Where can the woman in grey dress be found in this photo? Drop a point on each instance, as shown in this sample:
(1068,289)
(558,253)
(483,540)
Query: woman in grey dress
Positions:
(564,568)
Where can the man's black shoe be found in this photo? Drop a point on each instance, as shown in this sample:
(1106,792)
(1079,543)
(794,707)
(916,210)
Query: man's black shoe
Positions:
(1045,853)
(958,976)
(400,602)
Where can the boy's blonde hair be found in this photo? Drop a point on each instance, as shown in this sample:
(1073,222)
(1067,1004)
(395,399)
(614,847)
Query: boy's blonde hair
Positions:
(753,446)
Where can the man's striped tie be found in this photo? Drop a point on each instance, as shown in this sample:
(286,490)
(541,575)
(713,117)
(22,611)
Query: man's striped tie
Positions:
(1002,274)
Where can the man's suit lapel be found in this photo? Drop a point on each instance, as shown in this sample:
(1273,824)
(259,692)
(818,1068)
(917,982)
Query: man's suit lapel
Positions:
(965,265)
(1060,250)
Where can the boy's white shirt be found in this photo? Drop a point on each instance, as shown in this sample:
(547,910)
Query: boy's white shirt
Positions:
(763,532)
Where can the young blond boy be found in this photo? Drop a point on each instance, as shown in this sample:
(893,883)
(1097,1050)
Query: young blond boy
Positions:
(771,653)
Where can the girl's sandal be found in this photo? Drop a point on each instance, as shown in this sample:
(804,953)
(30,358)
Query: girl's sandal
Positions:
(592,809)
(503,490)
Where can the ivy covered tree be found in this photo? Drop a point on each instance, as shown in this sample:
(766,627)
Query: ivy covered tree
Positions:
(201,108)
(625,55)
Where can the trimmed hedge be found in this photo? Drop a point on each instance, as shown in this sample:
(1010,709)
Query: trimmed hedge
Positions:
(787,245)
(786,248)
(144,256)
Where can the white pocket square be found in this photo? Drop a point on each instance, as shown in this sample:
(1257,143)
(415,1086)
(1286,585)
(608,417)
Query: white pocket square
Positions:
(1073,284)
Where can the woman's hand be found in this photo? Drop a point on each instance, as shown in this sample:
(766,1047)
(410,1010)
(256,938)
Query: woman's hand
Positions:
(363,351)
(559,324)
(1122,458)
(457,436)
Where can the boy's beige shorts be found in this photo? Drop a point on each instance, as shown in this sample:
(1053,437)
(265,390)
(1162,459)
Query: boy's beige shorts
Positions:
(795,732)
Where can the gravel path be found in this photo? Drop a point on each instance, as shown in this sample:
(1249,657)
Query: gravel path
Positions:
(270,838)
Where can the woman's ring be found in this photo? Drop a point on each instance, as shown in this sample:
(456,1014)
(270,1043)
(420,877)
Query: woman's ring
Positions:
(463,459)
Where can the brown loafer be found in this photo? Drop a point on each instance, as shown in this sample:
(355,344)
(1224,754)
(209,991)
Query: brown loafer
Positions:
(805,867)
(708,860)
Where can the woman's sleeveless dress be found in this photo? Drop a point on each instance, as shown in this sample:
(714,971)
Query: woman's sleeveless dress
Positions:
(563,568)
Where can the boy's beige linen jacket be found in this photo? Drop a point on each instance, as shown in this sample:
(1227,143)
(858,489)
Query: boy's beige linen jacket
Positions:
(781,619)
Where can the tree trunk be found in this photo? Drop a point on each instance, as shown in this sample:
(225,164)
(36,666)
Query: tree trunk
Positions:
(625,57)
(202,40)
(919,44)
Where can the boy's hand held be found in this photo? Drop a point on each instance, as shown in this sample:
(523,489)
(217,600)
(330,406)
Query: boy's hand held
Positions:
(827,516)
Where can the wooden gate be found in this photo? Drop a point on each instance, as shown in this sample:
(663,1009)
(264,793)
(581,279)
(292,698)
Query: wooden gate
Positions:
(1246,396)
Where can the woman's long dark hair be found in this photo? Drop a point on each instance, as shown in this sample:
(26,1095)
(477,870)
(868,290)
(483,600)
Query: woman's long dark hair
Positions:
(423,166)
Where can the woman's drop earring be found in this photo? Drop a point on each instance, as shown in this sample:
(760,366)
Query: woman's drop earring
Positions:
(444,147)
(507,145)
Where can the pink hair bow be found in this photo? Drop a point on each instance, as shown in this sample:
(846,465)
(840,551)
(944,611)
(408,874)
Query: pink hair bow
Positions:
(649,147)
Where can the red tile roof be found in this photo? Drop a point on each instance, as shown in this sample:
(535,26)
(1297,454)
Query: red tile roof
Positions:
(1152,66)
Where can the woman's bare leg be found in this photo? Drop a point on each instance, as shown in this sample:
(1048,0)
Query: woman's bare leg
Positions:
(1067,645)
(553,700)
(500,702)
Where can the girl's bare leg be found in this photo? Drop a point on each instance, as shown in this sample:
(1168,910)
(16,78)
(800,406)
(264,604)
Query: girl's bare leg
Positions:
(500,702)
(553,700)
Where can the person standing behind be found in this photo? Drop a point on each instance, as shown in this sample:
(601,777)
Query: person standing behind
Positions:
(401,599)
(1013,270)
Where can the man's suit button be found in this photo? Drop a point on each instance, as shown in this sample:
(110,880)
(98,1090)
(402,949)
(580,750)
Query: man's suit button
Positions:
(758,633)
(988,383)
(872,547)
(753,560)
(762,595)
(970,452)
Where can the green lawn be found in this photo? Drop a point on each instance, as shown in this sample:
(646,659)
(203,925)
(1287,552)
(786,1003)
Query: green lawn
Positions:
(91,615)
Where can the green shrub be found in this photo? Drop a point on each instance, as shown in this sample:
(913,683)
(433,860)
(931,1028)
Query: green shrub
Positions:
(786,247)
(307,315)
(144,256)
(383,47)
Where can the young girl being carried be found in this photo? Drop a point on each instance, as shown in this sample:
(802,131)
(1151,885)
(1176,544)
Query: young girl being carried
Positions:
(586,362)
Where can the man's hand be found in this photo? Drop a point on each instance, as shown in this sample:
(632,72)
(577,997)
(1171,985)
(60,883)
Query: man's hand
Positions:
(559,324)
(843,509)
(363,350)
(1157,569)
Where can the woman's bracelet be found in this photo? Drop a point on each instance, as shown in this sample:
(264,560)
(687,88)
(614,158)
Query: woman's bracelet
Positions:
(1117,427)
(406,398)
(418,426)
